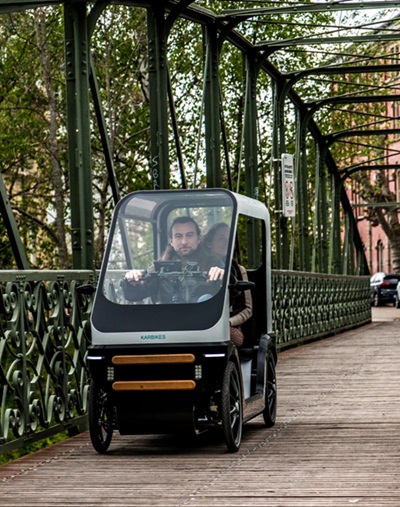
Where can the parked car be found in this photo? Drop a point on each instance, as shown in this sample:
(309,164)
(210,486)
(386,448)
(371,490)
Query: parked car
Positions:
(383,288)
(396,302)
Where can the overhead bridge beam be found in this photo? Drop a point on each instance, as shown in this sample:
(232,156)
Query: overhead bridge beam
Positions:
(244,14)
(311,41)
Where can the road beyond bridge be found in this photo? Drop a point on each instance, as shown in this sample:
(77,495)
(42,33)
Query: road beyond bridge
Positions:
(336,443)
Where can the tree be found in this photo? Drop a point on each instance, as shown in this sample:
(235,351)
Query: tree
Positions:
(28,135)
(33,155)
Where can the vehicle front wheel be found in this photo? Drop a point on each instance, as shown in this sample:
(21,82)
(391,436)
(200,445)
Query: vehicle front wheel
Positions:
(232,408)
(269,412)
(101,418)
(376,299)
(397,302)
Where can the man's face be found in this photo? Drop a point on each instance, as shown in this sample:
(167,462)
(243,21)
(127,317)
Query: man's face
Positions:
(184,239)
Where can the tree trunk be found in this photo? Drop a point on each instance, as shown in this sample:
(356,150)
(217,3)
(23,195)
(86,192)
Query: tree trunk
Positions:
(56,170)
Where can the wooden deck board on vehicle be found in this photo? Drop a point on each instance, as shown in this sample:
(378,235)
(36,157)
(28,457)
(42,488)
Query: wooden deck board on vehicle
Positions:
(336,443)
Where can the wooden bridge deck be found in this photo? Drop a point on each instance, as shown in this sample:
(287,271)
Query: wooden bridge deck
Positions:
(336,443)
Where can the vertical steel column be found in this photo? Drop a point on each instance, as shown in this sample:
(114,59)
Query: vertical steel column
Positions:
(323,250)
(335,261)
(212,110)
(79,152)
(277,176)
(158,84)
(302,196)
(250,154)
(250,129)
(317,236)
(346,245)
(279,147)
(350,250)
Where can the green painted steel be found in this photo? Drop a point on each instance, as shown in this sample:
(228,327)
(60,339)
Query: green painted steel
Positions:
(250,140)
(220,28)
(45,332)
(308,306)
(212,110)
(158,83)
(77,56)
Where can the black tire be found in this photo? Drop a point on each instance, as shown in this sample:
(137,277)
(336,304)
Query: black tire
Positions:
(101,418)
(271,393)
(376,300)
(397,302)
(232,408)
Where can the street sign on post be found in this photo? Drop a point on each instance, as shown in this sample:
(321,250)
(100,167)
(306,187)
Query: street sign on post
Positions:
(288,193)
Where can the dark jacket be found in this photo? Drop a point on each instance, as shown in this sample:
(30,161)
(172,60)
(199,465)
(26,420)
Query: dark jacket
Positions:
(171,288)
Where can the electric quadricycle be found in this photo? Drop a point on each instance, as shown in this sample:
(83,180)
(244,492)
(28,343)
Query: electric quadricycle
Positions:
(162,360)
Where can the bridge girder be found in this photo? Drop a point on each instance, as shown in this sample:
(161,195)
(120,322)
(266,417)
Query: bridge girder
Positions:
(259,57)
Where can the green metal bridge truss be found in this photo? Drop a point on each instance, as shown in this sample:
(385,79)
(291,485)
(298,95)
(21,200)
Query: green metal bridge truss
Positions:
(45,325)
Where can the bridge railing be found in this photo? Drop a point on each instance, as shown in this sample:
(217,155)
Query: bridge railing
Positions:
(45,332)
(44,335)
(308,306)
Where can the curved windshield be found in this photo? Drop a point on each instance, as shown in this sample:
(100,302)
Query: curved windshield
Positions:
(168,248)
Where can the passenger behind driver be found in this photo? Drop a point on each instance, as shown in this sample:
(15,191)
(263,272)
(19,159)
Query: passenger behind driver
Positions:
(216,243)
(184,245)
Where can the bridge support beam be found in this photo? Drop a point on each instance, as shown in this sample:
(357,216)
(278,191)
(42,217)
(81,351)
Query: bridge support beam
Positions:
(320,253)
(335,261)
(212,112)
(158,82)
(79,152)
(278,147)
(250,155)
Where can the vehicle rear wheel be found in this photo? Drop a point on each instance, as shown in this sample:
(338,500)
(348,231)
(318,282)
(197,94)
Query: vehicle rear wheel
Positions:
(232,408)
(101,416)
(269,412)
(376,299)
(397,302)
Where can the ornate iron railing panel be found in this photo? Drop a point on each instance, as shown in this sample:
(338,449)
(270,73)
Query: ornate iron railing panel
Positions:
(307,306)
(45,332)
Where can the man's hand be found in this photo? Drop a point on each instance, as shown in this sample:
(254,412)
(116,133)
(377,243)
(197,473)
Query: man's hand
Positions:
(215,274)
(134,275)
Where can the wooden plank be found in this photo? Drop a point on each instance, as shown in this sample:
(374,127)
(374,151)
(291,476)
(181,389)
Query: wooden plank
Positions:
(336,443)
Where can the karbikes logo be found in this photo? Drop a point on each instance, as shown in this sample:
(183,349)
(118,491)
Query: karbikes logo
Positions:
(153,337)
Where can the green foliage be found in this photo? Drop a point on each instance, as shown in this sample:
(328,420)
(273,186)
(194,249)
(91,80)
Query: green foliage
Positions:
(30,448)
(24,136)
(6,253)
(32,74)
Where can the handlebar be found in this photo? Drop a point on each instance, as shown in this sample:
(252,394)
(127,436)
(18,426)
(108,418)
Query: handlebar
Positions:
(239,285)
(184,274)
